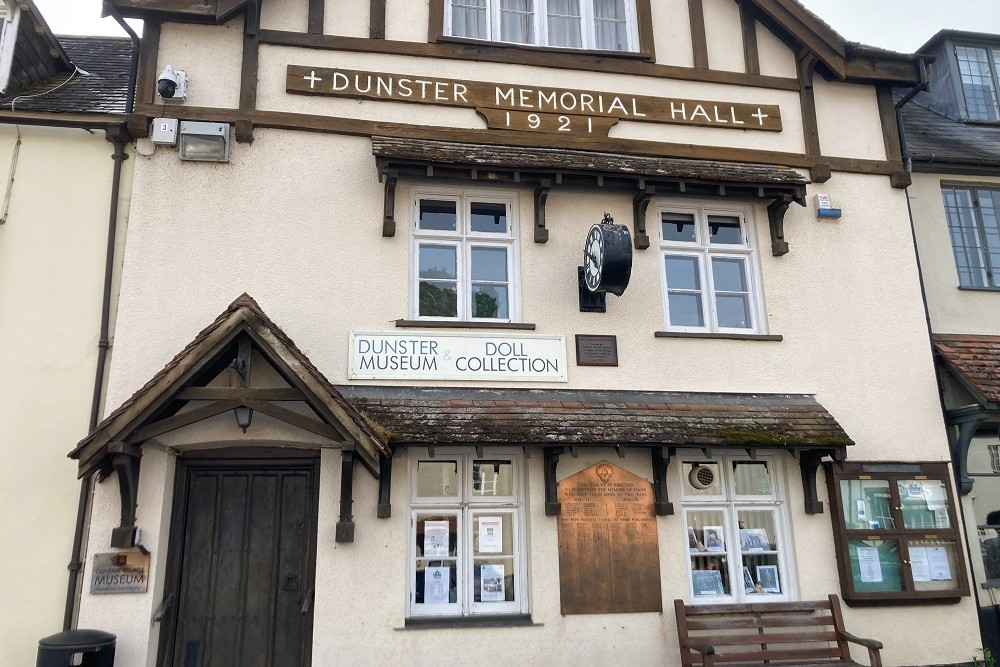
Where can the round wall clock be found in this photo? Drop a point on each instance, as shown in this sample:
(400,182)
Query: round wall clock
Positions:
(607,257)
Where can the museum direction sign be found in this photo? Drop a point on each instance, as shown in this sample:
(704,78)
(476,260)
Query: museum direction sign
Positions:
(450,356)
(533,108)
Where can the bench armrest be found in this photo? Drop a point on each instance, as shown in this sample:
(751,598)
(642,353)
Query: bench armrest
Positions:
(704,649)
(867,643)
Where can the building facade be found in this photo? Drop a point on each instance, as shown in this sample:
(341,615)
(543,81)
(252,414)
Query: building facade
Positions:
(953,137)
(481,331)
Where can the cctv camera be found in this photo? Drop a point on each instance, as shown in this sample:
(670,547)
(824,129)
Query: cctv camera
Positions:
(172,84)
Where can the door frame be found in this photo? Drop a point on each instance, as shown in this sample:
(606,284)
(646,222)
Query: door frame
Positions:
(242,458)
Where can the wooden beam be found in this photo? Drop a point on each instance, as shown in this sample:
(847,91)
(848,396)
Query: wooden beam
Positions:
(149,47)
(806,67)
(551,456)
(435,21)
(748,21)
(345,526)
(890,129)
(317,17)
(180,420)
(376,19)
(385,488)
(239,394)
(295,419)
(248,69)
(699,36)
(644,17)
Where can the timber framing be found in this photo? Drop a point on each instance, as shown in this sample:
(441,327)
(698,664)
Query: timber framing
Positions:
(699,36)
(748,23)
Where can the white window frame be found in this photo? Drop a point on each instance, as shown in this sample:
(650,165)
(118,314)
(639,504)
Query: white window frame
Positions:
(463,507)
(730,504)
(464,239)
(702,249)
(588,28)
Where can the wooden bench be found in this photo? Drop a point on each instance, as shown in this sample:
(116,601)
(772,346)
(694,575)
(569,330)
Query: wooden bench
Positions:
(785,634)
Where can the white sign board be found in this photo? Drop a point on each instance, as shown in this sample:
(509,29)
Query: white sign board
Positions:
(452,356)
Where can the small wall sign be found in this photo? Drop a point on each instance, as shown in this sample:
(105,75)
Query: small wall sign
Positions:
(120,572)
(596,350)
(452,356)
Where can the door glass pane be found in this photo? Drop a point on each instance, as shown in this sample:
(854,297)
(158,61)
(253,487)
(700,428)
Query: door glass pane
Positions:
(752,478)
(933,564)
(925,503)
(866,504)
(707,553)
(678,227)
(438,262)
(489,264)
(492,478)
(492,534)
(702,479)
(437,536)
(437,479)
(686,310)
(565,23)
(725,230)
(438,215)
(487,217)
(493,580)
(875,565)
(517,21)
(490,301)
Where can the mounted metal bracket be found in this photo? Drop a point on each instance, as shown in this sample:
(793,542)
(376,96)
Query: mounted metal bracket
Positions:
(384,488)
(125,460)
(541,194)
(551,455)
(389,177)
(640,203)
(661,461)
(590,302)
(345,527)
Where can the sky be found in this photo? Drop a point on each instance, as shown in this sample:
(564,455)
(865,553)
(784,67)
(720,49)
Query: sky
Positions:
(900,25)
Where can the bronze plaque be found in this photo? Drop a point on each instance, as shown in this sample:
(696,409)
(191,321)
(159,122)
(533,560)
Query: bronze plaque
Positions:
(596,350)
(609,556)
(120,572)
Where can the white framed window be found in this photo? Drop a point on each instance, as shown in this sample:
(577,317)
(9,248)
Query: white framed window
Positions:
(736,525)
(464,262)
(709,270)
(605,25)
(465,555)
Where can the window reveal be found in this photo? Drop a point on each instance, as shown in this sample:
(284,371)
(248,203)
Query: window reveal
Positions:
(974,226)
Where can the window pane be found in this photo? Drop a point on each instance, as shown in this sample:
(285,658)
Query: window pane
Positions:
(437,536)
(438,299)
(708,558)
(492,478)
(489,217)
(867,504)
(725,230)
(761,574)
(683,273)
(437,479)
(610,28)
(678,227)
(933,564)
(702,479)
(977,82)
(757,531)
(565,23)
(489,264)
(965,239)
(492,534)
(729,274)
(685,310)
(517,21)
(989,548)
(989,210)
(752,478)
(436,582)
(494,580)
(438,215)
(875,565)
(490,301)
(732,311)
(925,503)
(438,262)
(468,18)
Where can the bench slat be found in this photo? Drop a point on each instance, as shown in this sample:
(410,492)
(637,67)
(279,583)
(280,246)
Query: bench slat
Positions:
(756,607)
(775,638)
(740,622)
(758,656)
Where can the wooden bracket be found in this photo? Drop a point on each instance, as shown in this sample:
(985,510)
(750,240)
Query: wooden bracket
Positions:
(244,131)
(385,488)
(541,194)
(821,172)
(960,452)
(345,527)
(551,455)
(809,463)
(640,203)
(125,461)
(390,176)
(776,217)
(661,460)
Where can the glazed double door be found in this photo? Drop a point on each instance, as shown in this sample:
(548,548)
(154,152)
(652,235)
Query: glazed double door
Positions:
(244,571)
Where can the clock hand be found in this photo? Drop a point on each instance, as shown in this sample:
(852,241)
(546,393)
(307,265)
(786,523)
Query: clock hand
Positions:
(593,258)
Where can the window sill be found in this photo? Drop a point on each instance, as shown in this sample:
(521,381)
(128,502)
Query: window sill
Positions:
(718,336)
(531,48)
(504,621)
(978,289)
(457,324)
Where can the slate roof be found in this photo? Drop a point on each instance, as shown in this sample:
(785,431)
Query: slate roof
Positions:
(101,88)
(976,361)
(933,138)
(425,415)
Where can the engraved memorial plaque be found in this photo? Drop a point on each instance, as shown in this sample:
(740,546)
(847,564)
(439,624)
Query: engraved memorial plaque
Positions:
(596,350)
(609,558)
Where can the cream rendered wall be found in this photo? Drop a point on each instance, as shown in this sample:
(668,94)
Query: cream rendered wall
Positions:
(211,55)
(848,117)
(724,34)
(672,33)
(776,59)
(952,310)
(350,17)
(292,15)
(52,257)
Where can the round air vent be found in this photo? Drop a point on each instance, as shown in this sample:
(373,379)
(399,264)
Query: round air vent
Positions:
(701,477)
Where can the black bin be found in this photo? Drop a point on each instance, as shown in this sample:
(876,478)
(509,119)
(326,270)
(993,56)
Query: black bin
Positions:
(83,648)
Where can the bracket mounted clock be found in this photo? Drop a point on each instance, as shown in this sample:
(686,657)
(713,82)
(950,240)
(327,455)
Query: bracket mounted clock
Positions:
(607,257)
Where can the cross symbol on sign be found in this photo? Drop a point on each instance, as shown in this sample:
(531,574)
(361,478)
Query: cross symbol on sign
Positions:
(760,116)
(312,79)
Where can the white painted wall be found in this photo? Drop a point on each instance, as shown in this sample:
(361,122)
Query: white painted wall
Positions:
(724,35)
(848,118)
(52,257)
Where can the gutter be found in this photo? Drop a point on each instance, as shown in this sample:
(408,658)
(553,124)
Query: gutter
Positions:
(119,137)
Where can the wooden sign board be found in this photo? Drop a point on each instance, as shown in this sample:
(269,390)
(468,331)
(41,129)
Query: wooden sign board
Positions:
(120,572)
(609,556)
(531,108)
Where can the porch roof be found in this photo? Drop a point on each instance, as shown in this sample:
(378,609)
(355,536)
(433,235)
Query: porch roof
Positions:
(975,361)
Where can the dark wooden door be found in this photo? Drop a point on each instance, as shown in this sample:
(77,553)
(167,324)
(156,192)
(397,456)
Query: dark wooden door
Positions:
(244,571)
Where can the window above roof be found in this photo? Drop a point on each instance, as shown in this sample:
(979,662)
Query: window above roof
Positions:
(978,68)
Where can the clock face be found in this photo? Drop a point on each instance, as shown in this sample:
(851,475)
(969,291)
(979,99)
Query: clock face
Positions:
(593,258)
